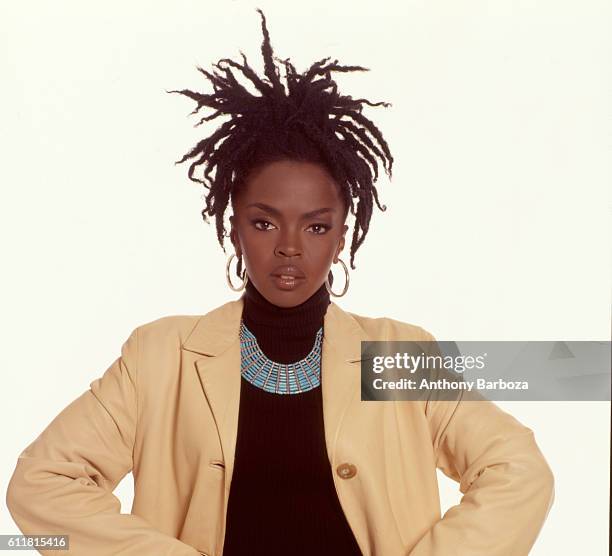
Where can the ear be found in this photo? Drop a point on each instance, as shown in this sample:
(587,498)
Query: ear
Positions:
(341,243)
(233,235)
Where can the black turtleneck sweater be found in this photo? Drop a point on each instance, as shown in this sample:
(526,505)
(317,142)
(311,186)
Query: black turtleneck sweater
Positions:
(282,498)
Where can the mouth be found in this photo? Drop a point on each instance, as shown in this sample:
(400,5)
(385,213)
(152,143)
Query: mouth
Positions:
(287,281)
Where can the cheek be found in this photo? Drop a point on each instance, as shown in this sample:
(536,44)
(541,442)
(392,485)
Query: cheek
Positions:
(260,243)
(257,250)
(324,250)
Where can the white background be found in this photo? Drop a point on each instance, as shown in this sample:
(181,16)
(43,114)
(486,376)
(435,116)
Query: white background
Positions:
(498,224)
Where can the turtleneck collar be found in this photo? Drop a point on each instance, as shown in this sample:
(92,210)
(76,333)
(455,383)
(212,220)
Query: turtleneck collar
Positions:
(285,334)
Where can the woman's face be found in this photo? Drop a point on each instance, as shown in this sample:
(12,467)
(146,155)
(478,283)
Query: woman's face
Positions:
(289,214)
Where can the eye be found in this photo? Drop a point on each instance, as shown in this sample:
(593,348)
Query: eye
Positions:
(324,226)
(264,222)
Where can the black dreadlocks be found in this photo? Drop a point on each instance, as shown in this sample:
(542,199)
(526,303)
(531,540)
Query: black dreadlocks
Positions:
(309,122)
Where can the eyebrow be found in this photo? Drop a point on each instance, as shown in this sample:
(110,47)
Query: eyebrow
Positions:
(277,212)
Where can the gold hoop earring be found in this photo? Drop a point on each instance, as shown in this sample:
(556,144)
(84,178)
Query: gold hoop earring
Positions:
(346,285)
(244,277)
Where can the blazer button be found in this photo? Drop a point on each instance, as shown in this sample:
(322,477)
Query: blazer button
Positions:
(346,470)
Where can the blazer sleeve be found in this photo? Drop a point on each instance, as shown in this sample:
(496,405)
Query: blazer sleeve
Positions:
(507,485)
(63,481)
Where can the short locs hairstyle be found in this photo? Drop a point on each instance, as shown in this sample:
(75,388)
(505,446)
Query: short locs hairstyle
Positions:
(306,120)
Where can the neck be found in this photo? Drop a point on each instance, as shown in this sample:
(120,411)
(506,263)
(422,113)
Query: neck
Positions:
(284,334)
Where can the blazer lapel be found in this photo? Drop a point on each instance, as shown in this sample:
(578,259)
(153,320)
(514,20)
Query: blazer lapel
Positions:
(216,338)
(341,371)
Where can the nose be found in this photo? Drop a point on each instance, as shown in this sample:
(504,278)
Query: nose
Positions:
(287,251)
(288,246)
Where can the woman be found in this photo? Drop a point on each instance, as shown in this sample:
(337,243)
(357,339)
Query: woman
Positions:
(244,427)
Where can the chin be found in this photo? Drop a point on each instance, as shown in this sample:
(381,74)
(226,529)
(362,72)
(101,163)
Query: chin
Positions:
(288,298)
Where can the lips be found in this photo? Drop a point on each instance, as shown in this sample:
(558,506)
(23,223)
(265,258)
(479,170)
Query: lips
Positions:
(288,271)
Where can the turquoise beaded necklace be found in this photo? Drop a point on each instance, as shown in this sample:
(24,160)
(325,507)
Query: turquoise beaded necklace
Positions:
(279,378)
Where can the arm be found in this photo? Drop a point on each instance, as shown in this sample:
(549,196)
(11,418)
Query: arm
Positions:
(507,485)
(64,479)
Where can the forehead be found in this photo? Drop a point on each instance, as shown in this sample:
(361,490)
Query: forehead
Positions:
(287,184)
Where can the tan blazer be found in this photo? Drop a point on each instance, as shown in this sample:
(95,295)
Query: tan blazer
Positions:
(167,410)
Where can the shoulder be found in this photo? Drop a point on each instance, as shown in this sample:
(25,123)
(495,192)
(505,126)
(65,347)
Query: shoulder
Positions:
(167,329)
(386,328)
